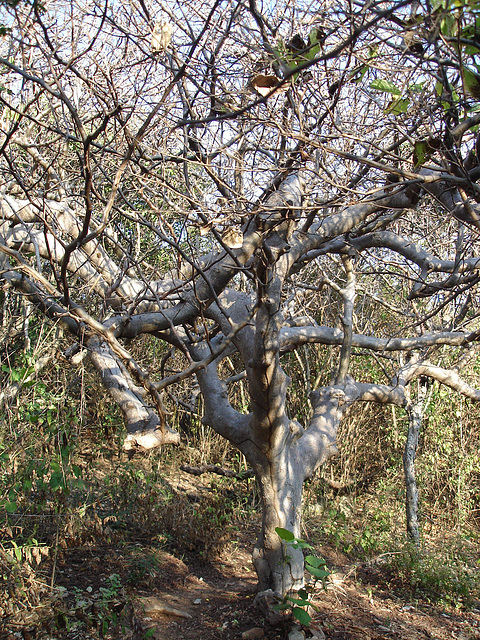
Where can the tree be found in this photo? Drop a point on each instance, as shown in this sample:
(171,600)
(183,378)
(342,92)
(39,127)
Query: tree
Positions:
(238,180)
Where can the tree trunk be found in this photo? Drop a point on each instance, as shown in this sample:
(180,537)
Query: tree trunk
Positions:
(279,567)
(415,415)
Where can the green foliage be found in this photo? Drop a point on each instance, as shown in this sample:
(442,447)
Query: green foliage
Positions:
(471,82)
(31,551)
(398,106)
(41,473)
(446,575)
(138,496)
(105,610)
(298,605)
(285,535)
(35,474)
(19,375)
(108,594)
(385,86)
(420,152)
(143,568)
(292,59)
(448,466)
(314,39)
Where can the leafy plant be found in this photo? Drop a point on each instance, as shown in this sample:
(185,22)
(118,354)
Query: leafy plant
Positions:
(316,567)
(446,576)
(143,568)
(105,605)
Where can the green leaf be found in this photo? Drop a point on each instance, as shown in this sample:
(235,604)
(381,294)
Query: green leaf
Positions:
(385,86)
(449,26)
(301,602)
(303,545)
(312,52)
(315,35)
(56,481)
(416,88)
(315,561)
(471,49)
(438,88)
(302,616)
(471,82)
(77,472)
(469,31)
(397,106)
(10,507)
(358,73)
(321,574)
(285,534)
(420,152)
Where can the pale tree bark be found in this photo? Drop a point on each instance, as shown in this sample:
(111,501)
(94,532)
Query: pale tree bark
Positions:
(144,427)
(415,409)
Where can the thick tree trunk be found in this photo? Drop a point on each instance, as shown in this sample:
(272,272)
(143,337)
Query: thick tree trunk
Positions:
(279,567)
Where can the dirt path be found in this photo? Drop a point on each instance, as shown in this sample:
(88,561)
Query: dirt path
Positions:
(108,597)
(360,604)
(121,586)
(214,601)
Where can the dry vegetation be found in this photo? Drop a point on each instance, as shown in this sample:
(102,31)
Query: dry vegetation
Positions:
(239,195)
(78,513)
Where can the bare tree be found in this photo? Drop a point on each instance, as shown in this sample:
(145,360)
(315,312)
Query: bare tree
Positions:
(238,177)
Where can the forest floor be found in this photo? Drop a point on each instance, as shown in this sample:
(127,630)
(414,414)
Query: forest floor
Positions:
(124,586)
(193,600)
(361,603)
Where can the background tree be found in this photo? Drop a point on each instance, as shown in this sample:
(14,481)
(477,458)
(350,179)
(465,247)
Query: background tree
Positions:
(237,180)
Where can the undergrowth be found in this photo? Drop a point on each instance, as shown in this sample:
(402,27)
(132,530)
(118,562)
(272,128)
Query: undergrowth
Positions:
(447,574)
(66,485)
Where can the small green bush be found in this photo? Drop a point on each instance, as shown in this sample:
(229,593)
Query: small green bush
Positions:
(439,575)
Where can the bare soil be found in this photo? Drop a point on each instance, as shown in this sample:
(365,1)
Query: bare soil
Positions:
(361,603)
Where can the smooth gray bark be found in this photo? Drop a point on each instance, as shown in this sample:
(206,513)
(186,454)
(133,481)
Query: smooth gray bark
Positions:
(90,193)
(415,417)
(144,427)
